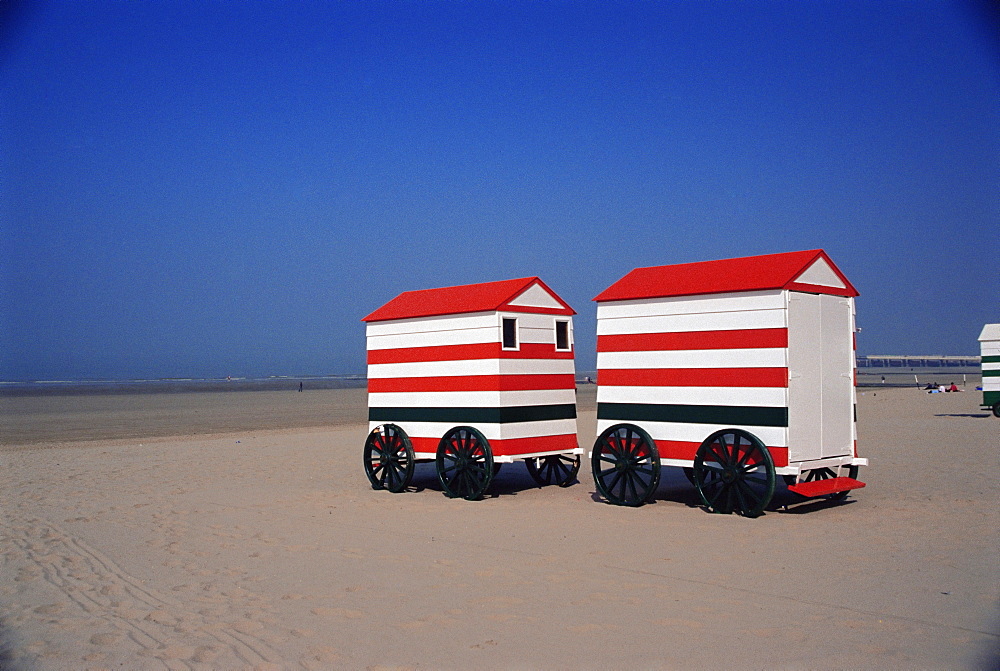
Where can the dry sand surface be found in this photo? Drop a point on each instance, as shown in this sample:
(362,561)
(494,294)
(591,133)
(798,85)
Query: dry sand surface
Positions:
(203,531)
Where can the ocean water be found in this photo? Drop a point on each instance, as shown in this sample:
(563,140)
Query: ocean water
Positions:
(895,377)
(179,385)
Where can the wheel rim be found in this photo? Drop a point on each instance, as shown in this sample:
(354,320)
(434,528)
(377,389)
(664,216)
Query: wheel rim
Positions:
(555,469)
(626,465)
(464,463)
(389,458)
(734,473)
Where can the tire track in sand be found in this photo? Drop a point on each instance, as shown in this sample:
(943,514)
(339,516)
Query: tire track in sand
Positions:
(102,589)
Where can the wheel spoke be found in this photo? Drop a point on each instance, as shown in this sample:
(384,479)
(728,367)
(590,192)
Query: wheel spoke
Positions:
(739,496)
(747,489)
(715,497)
(630,485)
(722,460)
(614,481)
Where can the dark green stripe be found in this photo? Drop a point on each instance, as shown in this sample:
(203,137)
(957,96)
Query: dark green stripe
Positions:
(523,413)
(992,358)
(991,373)
(729,415)
(991,397)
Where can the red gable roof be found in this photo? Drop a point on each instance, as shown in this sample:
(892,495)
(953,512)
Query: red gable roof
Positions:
(751,273)
(485,297)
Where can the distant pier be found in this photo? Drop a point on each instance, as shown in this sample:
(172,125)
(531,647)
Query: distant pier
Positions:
(909,361)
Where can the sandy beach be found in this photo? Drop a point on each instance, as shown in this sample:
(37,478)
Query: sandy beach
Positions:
(238,530)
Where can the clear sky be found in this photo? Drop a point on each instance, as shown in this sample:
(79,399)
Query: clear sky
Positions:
(210,188)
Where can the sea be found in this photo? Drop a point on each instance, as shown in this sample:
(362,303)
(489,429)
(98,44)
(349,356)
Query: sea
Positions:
(866,377)
(179,385)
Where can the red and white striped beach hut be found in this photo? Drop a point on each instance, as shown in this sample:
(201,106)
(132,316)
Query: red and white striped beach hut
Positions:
(471,377)
(737,370)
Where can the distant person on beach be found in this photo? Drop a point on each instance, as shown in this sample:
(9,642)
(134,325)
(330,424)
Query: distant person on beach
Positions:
(953,387)
(300,386)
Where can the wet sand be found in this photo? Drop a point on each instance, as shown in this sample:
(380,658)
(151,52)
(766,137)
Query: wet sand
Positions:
(238,530)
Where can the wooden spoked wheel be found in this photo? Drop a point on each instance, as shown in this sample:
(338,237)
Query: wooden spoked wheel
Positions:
(996,409)
(824,474)
(555,469)
(389,458)
(464,463)
(626,465)
(734,473)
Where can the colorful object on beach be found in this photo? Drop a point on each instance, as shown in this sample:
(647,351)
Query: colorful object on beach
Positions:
(471,377)
(737,370)
(989,346)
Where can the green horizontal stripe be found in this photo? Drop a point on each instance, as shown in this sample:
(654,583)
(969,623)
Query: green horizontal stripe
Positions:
(991,397)
(729,415)
(991,373)
(522,413)
(993,358)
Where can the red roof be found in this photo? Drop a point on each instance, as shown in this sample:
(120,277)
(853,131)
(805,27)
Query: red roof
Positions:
(751,273)
(485,297)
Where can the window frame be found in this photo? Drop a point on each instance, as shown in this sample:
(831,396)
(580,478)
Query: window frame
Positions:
(503,335)
(569,338)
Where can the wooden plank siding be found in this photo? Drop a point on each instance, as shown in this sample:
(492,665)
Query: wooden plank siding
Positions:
(682,369)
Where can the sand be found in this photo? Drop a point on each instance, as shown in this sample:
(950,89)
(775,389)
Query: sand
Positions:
(213,531)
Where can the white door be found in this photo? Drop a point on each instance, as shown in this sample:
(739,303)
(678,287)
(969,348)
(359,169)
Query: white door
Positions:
(820,376)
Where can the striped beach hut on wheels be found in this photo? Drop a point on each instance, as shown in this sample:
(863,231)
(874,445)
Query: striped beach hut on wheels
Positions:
(736,370)
(989,346)
(471,377)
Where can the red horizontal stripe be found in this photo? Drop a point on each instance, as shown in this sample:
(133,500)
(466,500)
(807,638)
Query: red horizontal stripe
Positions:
(652,342)
(509,446)
(489,350)
(694,377)
(679,449)
(472,383)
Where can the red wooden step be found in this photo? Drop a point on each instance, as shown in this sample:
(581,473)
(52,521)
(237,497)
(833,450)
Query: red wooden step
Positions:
(824,487)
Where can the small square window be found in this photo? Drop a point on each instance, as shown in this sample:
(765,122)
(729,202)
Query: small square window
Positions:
(562,336)
(509,333)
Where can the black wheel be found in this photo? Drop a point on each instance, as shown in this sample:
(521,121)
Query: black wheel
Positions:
(555,469)
(689,474)
(996,409)
(824,474)
(734,473)
(626,465)
(389,458)
(464,463)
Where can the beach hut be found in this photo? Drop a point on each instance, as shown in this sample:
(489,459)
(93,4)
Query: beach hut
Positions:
(737,370)
(471,377)
(989,346)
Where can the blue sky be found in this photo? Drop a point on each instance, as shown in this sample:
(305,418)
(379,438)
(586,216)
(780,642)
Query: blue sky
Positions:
(212,188)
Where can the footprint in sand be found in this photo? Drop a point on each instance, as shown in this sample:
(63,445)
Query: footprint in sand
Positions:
(345,613)
(677,622)
(27,574)
(50,609)
(105,639)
